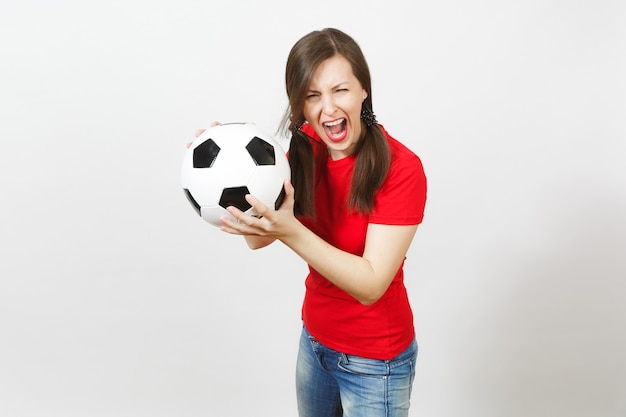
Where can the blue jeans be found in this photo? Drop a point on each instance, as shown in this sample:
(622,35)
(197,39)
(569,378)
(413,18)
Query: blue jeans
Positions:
(333,384)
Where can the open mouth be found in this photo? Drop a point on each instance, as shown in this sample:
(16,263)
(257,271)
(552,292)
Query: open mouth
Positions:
(336,130)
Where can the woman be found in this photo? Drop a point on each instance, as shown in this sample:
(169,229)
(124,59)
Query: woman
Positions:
(351,214)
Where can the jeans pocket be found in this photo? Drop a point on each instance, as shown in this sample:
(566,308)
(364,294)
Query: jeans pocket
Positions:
(356,365)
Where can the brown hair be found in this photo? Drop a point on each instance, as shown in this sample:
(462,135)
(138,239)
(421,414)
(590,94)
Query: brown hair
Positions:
(373,155)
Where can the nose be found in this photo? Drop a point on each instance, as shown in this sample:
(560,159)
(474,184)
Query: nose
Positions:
(328,105)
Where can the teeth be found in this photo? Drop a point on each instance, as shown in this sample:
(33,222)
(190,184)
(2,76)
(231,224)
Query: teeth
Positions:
(335,123)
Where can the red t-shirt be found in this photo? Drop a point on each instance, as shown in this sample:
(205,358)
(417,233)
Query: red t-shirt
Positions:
(384,329)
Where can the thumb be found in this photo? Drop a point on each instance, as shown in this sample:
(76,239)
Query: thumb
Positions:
(289,187)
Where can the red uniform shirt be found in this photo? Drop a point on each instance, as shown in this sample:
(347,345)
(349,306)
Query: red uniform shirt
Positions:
(384,329)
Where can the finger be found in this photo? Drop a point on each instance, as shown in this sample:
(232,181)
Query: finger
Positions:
(231,224)
(201,131)
(240,223)
(230,230)
(289,187)
(241,219)
(255,202)
(260,208)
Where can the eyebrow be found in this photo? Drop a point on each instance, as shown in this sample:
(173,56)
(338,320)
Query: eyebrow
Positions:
(312,90)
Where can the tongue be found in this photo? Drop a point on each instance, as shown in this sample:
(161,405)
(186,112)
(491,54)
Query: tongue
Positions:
(337,129)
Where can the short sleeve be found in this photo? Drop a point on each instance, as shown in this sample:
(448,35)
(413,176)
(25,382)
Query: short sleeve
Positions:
(401,200)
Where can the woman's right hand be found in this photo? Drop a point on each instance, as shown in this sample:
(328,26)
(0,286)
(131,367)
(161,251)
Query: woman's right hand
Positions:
(201,131)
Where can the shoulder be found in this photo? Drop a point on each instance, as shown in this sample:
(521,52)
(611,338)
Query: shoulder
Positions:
(310,133)
(402,157)
(402,196)
(317,144)
(307,129)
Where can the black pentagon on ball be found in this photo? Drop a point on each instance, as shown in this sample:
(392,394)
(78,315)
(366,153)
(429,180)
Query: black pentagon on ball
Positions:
(192,200)
(280,199)
(262,153)
(204,154)
(236,197)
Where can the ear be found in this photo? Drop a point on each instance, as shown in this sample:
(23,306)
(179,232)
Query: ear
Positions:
(364,95)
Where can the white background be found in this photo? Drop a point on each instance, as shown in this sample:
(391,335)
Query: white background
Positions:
(117,300)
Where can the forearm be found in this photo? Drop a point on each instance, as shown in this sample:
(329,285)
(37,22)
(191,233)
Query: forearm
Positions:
(366,277)
(258,242)
(353,274)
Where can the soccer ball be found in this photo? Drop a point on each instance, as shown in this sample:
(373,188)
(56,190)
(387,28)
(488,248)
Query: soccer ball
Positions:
(228,161)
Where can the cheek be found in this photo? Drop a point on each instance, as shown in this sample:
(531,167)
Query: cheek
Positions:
(312,113)
(309,113)
(354,103)
(355,110)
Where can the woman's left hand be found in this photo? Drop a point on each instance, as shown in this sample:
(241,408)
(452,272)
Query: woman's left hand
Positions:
(268,223)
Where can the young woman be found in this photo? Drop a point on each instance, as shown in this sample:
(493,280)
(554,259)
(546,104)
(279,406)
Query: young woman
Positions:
(352,211)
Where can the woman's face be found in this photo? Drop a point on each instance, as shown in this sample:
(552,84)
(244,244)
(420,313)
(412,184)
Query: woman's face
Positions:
(333,106)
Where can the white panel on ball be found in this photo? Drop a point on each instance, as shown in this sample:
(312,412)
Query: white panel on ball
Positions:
(228,161)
